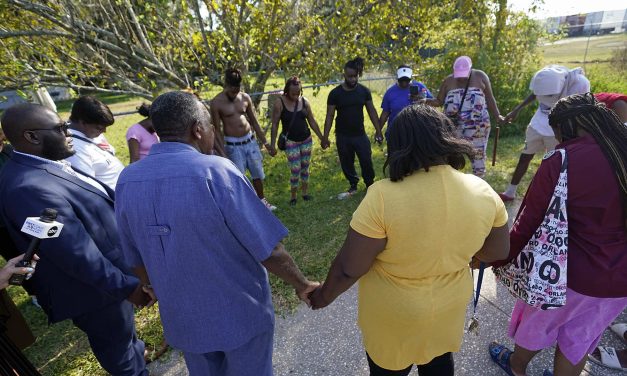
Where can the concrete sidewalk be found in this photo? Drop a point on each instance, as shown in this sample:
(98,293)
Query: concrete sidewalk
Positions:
(328,342)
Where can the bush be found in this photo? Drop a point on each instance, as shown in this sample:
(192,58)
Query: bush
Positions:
(607,77)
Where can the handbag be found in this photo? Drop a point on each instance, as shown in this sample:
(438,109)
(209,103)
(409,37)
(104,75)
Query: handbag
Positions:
(456,116)
(281,143)
(537,275)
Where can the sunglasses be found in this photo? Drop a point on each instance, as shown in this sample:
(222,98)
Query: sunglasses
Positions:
(60,128)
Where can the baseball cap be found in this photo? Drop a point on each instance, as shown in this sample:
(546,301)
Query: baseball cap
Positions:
(549,80)
(404,72)
(462,67)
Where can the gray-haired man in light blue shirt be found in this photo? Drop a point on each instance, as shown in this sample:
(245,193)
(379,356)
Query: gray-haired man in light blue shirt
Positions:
(195,231)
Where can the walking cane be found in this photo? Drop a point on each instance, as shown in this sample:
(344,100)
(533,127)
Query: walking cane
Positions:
(496,142)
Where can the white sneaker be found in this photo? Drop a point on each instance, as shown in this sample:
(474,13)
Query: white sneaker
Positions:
(347,194)
(268,205)
(33,299)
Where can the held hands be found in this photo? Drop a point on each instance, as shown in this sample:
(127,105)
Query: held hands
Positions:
(510,117)
(304,292)
(317,299)
(151,293)
(325,143)
(311,294)
(141,298)
(378,137)
(271,150)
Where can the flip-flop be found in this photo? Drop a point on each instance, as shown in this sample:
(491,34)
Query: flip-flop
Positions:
(500,355)
(609,358)
(620,330)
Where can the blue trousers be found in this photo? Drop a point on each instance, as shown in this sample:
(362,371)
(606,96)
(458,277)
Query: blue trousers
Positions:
(347,148)
(254,358)
(111,334)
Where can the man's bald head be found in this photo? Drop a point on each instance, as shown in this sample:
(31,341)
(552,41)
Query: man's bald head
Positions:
(37,130)
(21,117)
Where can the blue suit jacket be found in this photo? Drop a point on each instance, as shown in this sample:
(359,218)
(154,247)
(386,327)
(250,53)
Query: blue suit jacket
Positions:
(82,270)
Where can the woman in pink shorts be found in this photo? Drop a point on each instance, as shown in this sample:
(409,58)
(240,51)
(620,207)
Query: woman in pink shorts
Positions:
(596,148)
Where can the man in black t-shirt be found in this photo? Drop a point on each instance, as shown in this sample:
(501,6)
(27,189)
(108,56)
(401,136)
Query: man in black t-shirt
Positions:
(349,100)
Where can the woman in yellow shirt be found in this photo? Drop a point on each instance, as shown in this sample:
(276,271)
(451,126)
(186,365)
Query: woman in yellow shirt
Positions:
(409,245)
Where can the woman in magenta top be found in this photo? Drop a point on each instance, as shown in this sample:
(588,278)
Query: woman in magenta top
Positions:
(141,136)
(595,141)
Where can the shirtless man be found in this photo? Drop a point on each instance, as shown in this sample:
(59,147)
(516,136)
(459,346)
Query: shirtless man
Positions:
(234,110)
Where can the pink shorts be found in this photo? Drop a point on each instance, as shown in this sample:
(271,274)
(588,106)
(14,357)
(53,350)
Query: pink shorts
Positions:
(576,327)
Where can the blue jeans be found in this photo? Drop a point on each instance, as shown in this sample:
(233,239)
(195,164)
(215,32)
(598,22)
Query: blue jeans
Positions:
(347,148)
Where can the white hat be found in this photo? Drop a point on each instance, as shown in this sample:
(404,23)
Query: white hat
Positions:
(404,73)
(549,80)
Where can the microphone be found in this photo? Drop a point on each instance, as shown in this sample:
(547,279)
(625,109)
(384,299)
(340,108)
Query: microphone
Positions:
(44,227)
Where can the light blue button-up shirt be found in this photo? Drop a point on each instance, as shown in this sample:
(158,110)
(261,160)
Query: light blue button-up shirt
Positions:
(196,224)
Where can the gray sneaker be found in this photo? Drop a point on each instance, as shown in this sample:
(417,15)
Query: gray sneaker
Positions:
(33,299)
(347,194)
(268,205)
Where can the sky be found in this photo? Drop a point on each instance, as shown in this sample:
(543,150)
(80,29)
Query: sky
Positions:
(553,8)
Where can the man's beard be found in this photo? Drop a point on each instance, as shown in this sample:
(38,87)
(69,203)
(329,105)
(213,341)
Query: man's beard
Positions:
(55,151)
(349,84)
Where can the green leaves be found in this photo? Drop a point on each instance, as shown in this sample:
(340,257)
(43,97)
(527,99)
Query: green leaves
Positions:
(146,47)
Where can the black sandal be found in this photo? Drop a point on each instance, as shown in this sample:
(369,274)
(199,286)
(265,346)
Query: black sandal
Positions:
(293,202)
(307,197)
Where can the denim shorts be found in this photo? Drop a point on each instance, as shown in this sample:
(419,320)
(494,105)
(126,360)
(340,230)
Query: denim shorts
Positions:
(246,156)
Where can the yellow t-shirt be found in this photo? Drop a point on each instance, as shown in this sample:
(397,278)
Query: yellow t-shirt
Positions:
(412,302)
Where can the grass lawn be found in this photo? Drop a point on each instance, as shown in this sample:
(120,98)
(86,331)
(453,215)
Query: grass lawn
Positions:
(317,230)
(572,50)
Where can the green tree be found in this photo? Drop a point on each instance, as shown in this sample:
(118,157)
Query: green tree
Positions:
(119,46)
(142,48)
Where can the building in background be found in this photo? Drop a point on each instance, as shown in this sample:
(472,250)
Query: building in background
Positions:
(595,23)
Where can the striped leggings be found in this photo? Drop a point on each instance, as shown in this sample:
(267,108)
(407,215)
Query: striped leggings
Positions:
(298,158)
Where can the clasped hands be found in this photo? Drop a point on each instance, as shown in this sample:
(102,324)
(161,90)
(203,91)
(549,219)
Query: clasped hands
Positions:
(142,296)
(312,295)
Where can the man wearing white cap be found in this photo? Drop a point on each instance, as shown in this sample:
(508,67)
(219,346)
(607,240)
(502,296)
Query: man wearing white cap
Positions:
(548,85)
(400,95)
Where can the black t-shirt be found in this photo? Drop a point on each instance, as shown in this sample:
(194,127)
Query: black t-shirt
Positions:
(350,109)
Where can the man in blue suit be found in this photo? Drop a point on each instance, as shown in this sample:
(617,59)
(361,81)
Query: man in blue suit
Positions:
(81,274)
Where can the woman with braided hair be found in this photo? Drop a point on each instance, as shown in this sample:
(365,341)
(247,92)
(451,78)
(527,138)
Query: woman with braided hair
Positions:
(595,141)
